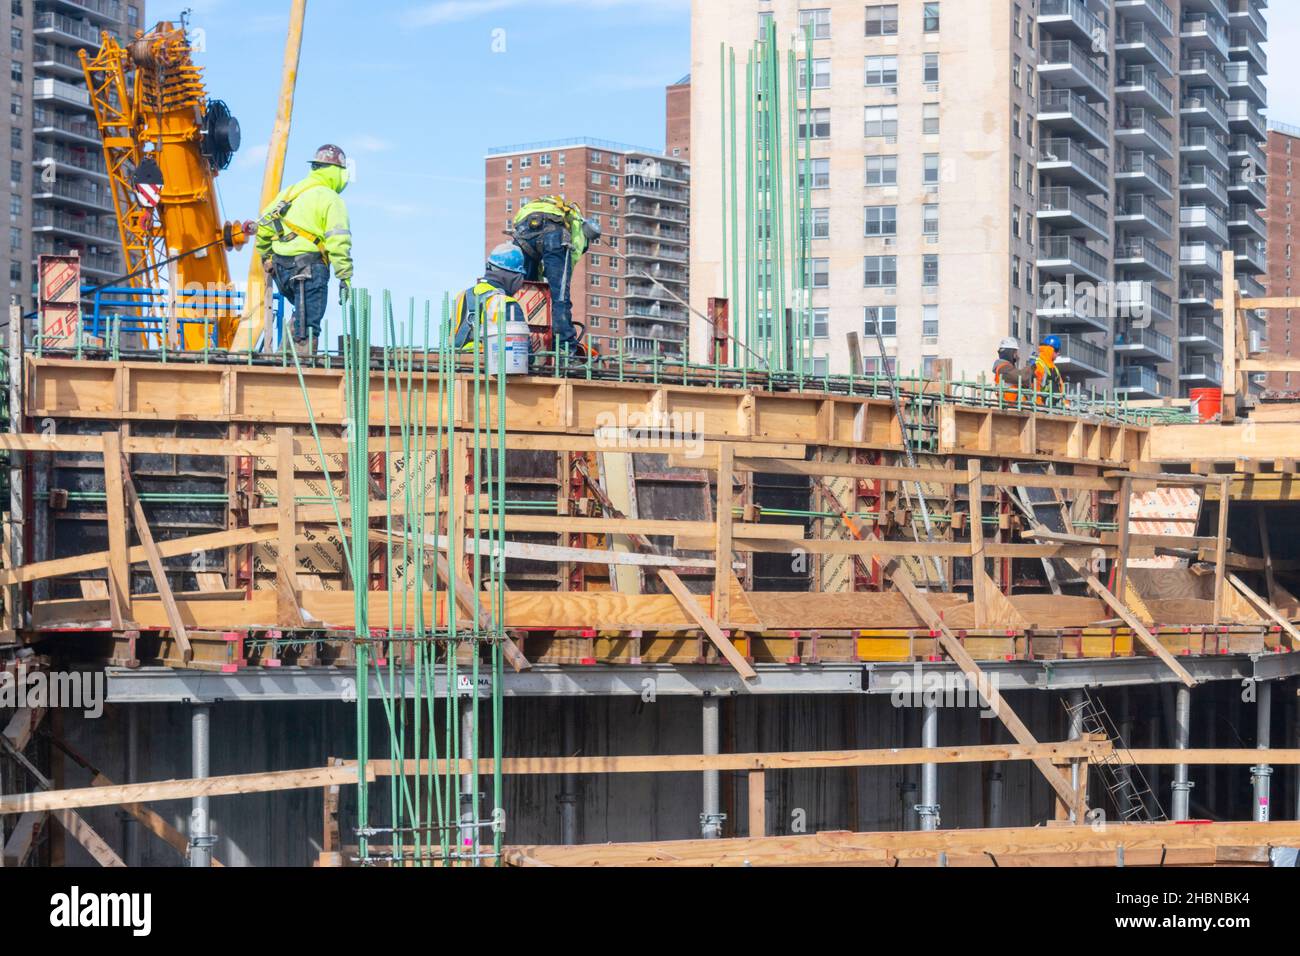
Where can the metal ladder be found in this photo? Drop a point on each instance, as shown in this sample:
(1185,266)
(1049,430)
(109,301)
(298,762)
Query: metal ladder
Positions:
(1126,786)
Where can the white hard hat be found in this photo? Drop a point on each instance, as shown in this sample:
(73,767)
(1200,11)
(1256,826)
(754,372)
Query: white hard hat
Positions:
(1009,343)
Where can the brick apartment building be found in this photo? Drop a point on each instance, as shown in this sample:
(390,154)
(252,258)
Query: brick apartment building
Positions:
(1281,216)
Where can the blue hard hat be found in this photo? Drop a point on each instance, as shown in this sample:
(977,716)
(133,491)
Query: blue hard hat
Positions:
(1053,341)
(508,258)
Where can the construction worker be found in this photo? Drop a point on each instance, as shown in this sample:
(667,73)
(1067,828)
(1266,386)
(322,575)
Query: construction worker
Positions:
(1007,371)
(1049,386)
(492,298)
(554,236)
(301,235)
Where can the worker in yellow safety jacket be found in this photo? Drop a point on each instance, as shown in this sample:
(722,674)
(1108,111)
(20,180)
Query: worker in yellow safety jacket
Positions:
(491,299)
(301,235)
(554,236)
(1049,385)
(1007,371)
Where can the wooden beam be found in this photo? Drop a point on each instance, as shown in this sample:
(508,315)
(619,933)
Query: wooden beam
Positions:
(1230,320)
(22,839)
(465,597)
(1221,548)
(953,647)
(288,604)
(723,516)
(757,781)
(1268,610)
(934,476)
(1139,629)
(692,607)
(154,559)
(119,566)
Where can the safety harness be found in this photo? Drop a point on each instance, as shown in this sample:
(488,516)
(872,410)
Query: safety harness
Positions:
(279,220)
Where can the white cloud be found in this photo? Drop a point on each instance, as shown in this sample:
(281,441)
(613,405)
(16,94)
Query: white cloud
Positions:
(365,143)
(252,157)
(452,11)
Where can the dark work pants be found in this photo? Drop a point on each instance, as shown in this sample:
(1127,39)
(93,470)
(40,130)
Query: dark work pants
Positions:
(316,289)
(555,264)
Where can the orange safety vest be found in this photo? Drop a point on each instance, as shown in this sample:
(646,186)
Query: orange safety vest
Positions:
(1000,369)
(1048,383)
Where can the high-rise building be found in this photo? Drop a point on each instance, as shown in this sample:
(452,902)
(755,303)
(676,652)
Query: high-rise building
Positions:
(678,133)
(987,168)
(629,291)
(57,192)
(1281,217)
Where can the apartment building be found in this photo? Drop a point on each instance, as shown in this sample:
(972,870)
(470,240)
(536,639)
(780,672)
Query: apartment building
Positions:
(991,167)
(678,111)
(57,191)
(1283,185)
(629,292)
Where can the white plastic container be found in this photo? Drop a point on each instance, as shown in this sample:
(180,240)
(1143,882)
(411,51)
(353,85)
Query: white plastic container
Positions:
(518,347)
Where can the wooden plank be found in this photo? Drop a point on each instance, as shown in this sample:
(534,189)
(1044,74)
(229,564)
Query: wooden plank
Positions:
(953,647)
(1221,548)
(22,839)
(154,559)
(1268,610)
(288,604)
(1230,320)
(723,516)
(119,565)
(707,624)
(757,803)
(465,598)
(934,476)
(22,725)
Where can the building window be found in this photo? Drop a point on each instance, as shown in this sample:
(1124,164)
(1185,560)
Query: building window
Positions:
(931,18)
(16,207)
(510,165)
(15,238)
(525,162)
(930,219)
(16,39)
(882,317)
(525,182)
(821,323)
(15,104)
(819,20)
(15,172)
(931,169)
(510,185)
(821,173)
(821,124)
(930,63)
(930,118)
(15,138)
(882,170)
(881,221)
(882,71)
(821,77)
(881,121)
(133,16)
(596,179)
(510,206)
(16,71)
(930,321)
(821,223)
(597,158)
(821,273)
(880,271)
(929,271)
(882,21)
(544,181)
(16,272)
(544,159)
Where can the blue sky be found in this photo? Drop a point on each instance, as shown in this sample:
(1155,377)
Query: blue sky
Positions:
(414,92)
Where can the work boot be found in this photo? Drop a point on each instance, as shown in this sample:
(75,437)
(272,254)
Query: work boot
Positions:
(305,346)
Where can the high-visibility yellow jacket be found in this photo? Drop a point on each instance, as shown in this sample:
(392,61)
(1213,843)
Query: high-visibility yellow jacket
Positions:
(567,212)
(316,221)
(482,303)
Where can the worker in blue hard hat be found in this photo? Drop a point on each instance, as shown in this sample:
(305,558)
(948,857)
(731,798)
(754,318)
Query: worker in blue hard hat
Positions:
(492,298)
(1049,385)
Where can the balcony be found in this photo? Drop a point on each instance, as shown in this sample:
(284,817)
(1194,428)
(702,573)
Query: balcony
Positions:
(1079,358)
(95,262)
(1201,32)
(1202,335)
(1071,308)
(1142,131)
(1140,43)
(1067,255)
(79,195)
(1139,213)
(1202,223)
(1201,109)
(1200,184)
(1246,188)
(60,29)
(1242,147)
(1243,117)
(1243,84)
(1138,253)
(1152,13)
(1245,16)
(657,233)
(661,313)
(1143,88)
(1201,144)
(1243,46)
(1062,63)
(648,291)
(1141,301)
(1139,381)
(1064,111)
(1202,258)
(84,228)
(1219,7)
(659,192)
(1202,69)
(1067,162)
(60,60)
(1251,255)
(106,12)
(1068,210)
(1241,216)
(77,162)
(1069,18)
(1199,293)
(57,91)
(1201,369)
(50,124)
(1139,172)
(1143,343)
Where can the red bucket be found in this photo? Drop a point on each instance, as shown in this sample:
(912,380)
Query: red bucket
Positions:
(1208,402)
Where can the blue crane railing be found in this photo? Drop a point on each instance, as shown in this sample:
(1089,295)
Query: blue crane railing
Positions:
(118,309)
